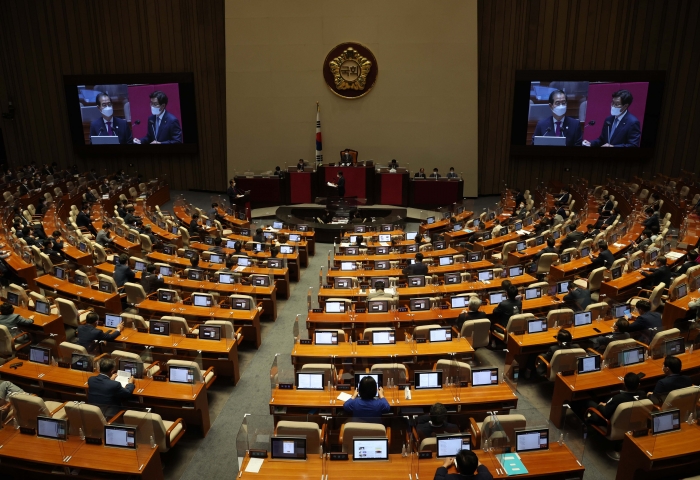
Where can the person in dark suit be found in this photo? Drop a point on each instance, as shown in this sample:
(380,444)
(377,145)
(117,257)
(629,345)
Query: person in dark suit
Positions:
(550,248)
(662,273)
(418,268)
(646,325)
(435,173)
(420,173)
(122,272)
(604,259)
(108,125)
(24,187)
(472,313)
(467,465)
(452,173)
(259,236)
(606,206)
(691,261)
(150,281)
(564,339)
(341,184)
(346,157)
(558,125)
(14,321)
(519,198)
(88,334)
(300,165)
(672,381)
(37,183)
(233,192)
(508,307)
(106,392)
(580,296)
(607,409)
(435,423)
(194,228)
(163,126)
(652,224)
(130,219)
(619,332)
(621,128)
(605,222)
(82,220)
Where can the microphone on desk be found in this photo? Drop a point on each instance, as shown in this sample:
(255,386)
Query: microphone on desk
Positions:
(546,131)
(589,124)
(608,124)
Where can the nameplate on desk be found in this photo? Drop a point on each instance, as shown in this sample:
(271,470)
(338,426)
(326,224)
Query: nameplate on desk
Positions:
(444,307)
(22,356)
(27,430)
(369,268)
(463,383)
(343,387)
(567,373)
(317,310)
(191,335)
(64,364)
(141,330)
(305,341)
(286,386)
(160,378)
(363,342)
(640,433)
(425,454)
(93,441)
(335,269)
(327,286)
(402,386)
(257,453)
(360,310)
(402,285)
(403,309)
(339,456)
(420,340)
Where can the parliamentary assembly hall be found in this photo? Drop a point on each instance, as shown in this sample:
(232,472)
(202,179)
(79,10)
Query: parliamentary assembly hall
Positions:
(396,239)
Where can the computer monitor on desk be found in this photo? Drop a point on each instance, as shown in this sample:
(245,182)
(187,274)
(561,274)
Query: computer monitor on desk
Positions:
(377,306)
(335,307)
(288,448)
(440,335)
(427,379)
(484,377)
(384,337)
(532,440)
(450,445)
(371,448)
(310,380)
(665,421)
(419,304)
(326,337)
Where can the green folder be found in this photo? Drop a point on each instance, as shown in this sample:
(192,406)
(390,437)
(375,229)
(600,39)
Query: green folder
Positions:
(512,464)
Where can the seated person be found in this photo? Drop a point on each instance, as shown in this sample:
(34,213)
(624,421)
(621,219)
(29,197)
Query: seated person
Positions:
(472,313)
(646,324)
(607,409)
(600,342)
(434,424)
(606,206)
(643,243)
(8,388)
(122,272)
(13,321)
(572,239)
(216,248)
(273,251)
(150,281)
(564,340)
(418,268)
(466,464)
(435,173)
(673,380)
(420,173)
(105,392)
(103,237)
(300,165)
(564,197)
(367,406)
(579,296)
(662,273)
(652,225)
(259,236)
(605,222)
(130,218)
(230,264)
(88,334)
(393,164)
(378,291)
(550,248)
(691,261)
(508,307)
(238,249)
(451,173)
(604,259)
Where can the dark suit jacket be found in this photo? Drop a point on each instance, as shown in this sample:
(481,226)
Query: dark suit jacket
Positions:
(341,186)
(88,335)
(604,259)
(24,189)
(570,128)
(419,175)
(580,296)
(104,391)
(627,134)
(470,316)
(546,249)
(151,283)
(658,275)
(646,321)
(83,220)
(505,309)
(555,348)
(670,383)
(482,473)
(168,132)
(123,274)
(120,128)
(418,268)
(425,429)
(652,223)
(616,400)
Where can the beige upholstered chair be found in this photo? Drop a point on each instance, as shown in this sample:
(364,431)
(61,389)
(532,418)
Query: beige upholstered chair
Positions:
(207,377)
(27,407)
(454,369)
(500,433)
(314,435)
(165,433)
(350,430)
(477,331)
(562,360)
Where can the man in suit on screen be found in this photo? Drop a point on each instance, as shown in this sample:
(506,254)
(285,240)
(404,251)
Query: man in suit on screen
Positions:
(558,125)
(163,126)
(621,128)
(108,125)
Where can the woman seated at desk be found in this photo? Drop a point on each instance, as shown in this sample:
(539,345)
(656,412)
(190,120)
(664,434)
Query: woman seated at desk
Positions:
(367,406)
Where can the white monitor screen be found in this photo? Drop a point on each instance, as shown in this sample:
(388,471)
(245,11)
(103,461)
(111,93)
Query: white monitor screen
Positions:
(181,375)
(40,355)
(310,381)
(124,437)
(411,235)
(537,325)
(225,278)
(277,225)
(230,244)
(582,318)
(515,271)
(286,249)
(42,307)
(446,261)
(289,447)
(440,335)
(383,337)
(139,266)
(563,287)
(588,364)
(532,293)
(370,449)
(487,376)
(294,237)
(631,356)
(428,379)
(326,337)
(112,321)
(450,445)
(335,307)
(666,421)
(346,266)
(166,271)
(51,428)
(384,238)
(527,441)
(496,297)
(243,262)
(201,300)
(213,258)
(458,302)
(485,275)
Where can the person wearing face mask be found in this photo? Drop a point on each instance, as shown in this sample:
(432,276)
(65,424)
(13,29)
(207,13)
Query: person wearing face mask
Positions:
(451,173)
(621,128)
(108,125)
(559,125)
(163,126)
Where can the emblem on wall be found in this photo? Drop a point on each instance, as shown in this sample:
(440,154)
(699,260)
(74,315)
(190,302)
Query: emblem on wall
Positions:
(350,70)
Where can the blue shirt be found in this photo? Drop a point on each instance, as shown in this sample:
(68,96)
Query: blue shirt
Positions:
(368,409)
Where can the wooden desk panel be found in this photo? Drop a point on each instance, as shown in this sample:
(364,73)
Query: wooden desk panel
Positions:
(170,400)
(249,320)
(110,302)
(678,309)
(50,325)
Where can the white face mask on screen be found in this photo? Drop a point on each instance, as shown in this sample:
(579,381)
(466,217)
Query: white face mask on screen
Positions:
(559,110)
(155,110)
(107,111)
(615,111)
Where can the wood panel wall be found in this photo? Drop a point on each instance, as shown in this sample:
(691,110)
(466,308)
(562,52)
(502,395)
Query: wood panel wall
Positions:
(42,40)
(587,35)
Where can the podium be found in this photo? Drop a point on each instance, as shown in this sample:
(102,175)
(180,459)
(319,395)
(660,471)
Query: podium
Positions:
(392,188)
(302,186)
(359,181)
(243,204)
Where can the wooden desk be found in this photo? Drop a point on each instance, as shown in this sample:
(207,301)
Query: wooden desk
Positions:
(677,309)
(610,380)
(47,324)
(164,235)
(309,237)
(29,456)
(79,257)
(353,356)
(221,354)
(281,275)
(671,455)
(496,243)
(23,269)
(529,306)
(249,320)
(294,260)
(120,243)
(110,302)
(474,401)
(170,400)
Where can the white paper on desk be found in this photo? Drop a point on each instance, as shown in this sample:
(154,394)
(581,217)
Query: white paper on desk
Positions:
(675,255)
(523,232)
(619,245)
(384,244)
(254,465)
(388,291)
(344,244)
(123,377)
(239,269)
(331,184)
(344,397)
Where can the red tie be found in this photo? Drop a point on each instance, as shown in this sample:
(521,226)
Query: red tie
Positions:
(109,128)
(557,130)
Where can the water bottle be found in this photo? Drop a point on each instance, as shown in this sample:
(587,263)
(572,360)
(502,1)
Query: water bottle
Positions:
(81,434)
(561,438)
(403,450)
(182,332)
(152,442)
(691,420)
